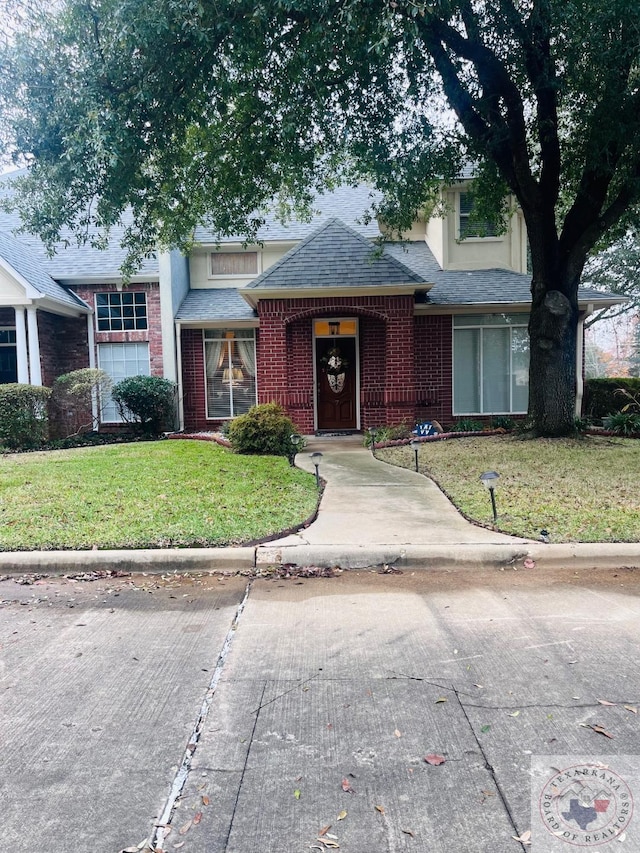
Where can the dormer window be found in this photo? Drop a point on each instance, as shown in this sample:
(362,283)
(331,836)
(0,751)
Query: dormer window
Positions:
(470,226)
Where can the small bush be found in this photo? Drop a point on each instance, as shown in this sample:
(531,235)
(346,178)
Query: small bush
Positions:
(623,423)
(265,429)
(146,402)
(503,422)
(23,416)
(71,400)
(396,432)
(466,425)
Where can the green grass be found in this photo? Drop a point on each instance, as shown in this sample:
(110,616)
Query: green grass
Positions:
(582,490)
(148,495)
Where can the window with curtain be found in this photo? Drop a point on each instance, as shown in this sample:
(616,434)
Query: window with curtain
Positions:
(490,364)
(230,372)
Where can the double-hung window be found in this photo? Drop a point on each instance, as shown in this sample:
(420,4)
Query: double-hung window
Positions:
(468,224)
(121,361)
(230,372)
(490,364)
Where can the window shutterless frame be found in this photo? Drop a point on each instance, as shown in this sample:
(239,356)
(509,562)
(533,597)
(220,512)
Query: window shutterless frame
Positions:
(121,311)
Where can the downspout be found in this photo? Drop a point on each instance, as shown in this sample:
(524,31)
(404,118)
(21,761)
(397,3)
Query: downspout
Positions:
(91,342)
(179,376)
(580,360)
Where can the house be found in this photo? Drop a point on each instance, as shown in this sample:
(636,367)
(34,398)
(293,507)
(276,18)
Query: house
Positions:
(313,316)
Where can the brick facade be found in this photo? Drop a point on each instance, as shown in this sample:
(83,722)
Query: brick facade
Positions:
(405,361)
(63,345)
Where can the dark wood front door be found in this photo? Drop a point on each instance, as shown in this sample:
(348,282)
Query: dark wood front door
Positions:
(336,383)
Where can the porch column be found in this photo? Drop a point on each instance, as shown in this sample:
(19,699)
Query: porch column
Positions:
(34,346)
(21,347)
(400,380)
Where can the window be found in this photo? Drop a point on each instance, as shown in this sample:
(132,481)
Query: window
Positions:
(230,369)
(7,336)
(490,364)
(121,361)
(468,225)
(121,312)
(230,264)
(8,355)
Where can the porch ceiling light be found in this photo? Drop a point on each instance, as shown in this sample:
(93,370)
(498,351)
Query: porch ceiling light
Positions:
(490,480)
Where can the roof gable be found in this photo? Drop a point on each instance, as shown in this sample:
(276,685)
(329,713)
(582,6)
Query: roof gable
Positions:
(334,256)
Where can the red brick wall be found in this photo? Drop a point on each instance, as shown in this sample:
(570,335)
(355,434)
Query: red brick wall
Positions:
(405,361)
(63,345)
(153,334)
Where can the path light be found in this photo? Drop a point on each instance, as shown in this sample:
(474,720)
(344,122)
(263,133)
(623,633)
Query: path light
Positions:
(296,441)
(372,432)
(316,458)
(415,446)
(490,481)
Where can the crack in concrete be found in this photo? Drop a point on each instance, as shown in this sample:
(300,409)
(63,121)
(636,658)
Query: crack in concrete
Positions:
(180,779)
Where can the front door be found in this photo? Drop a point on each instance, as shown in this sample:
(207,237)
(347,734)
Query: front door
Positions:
(336,383)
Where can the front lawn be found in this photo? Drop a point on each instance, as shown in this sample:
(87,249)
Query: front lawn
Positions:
(148,495)
(582,490)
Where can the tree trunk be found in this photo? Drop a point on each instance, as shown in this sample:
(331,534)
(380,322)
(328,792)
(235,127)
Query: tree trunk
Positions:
(553,326)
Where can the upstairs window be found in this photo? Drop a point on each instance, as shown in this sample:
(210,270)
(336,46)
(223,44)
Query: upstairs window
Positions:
(469,225)
(121,312)
(234,264)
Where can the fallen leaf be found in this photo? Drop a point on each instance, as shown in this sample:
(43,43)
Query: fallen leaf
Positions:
(434,759)
(397,733)
(514,714)
(205,800)
(324,830)
(525,838)
(346,787)
(485,728)
(380,809)
(332,845)
(185,827)
(440,699)
(631,708)
(297,793)
(408,832)
(529,563)
(479,686)
(606,702)
(178,844)
(342,815)
(598,729)
(197,818)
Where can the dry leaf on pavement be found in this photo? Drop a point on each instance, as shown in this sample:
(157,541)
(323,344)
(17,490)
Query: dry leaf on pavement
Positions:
(346,787)
(435,759)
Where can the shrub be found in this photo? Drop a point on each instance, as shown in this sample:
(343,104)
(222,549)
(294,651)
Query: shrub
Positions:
(389,433)
(146,402)
(503,422)
(466,425)
(623,423)
(601,399)
(71,400)
(265,429)
(23,416)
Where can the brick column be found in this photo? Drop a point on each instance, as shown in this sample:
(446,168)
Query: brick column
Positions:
(272,353)
(399,380)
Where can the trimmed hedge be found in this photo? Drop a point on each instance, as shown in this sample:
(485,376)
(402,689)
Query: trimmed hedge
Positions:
(146,402)
(24,424)
(600,398)
(72,398)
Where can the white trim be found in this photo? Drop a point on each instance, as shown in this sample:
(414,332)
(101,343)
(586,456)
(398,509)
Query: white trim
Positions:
(179,375)
(91,341)
(120,293)
(35,368)
(579,360)
(21,347)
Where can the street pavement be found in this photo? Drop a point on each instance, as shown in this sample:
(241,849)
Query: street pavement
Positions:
(236,719)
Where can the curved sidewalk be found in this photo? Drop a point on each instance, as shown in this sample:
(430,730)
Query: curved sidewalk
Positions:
(371,515)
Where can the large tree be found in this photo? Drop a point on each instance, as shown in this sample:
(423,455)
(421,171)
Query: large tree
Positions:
(202,110)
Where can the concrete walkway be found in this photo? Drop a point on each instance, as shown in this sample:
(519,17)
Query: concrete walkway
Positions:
(372,514)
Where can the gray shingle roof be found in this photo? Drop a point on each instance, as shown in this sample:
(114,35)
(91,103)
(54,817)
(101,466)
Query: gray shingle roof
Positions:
(216,303)
(348,203)
(72,261)
(334,256)
(21,259)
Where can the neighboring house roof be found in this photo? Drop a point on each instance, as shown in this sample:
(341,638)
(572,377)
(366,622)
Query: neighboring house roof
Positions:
(348,203)
(334,255)
(73,262)
(20,259)
(215,303)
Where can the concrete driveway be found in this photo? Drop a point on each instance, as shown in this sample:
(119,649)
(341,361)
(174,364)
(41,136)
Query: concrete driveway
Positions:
(248,723)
